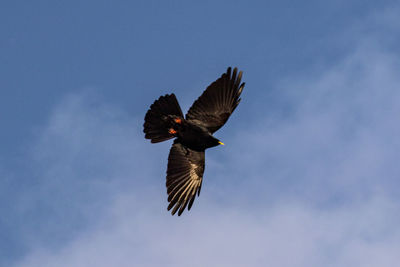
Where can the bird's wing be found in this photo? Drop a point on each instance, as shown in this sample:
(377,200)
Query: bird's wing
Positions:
(213,108)
(184,176)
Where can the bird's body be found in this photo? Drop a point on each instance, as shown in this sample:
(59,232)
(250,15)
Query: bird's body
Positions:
(194,134)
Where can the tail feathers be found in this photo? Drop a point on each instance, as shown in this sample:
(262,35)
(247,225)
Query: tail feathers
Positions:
(157,121)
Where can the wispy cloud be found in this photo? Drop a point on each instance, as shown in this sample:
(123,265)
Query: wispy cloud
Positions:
(286,235)
(82,159)
(340,134)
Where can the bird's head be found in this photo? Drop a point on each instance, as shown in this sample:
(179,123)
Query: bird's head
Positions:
(212,141)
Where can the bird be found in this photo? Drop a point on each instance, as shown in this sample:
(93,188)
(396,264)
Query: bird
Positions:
(193,134)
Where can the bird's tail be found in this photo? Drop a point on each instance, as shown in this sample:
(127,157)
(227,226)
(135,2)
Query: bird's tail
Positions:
(158,119)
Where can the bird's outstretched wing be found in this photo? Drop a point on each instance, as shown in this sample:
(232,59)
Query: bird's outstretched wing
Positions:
(184,176)
(213,108)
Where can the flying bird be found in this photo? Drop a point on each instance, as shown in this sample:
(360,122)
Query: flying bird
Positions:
(193,134)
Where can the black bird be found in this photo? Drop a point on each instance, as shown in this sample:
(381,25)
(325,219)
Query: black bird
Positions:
(164,120)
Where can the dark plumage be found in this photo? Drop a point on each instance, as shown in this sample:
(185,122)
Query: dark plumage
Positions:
(164,120)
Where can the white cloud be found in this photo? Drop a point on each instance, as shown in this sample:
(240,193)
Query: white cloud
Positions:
(84,157)
(340,139)
(286,235)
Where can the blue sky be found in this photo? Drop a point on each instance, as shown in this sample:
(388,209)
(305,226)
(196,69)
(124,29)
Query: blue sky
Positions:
(308,176)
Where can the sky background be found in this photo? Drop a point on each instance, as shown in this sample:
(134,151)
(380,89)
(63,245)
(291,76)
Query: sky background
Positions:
(309,175)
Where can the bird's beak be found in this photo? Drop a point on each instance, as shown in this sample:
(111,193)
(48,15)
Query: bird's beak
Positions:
(219,142)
